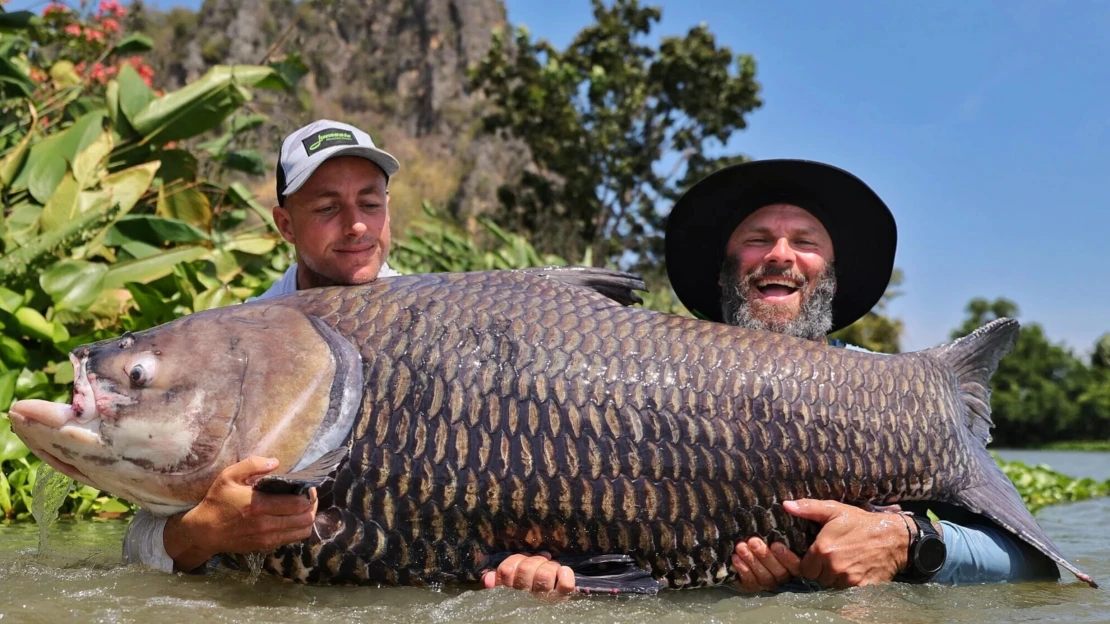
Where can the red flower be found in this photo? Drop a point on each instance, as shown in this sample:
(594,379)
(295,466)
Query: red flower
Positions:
(110,25)
(73,30)
(93,35)
(51,9)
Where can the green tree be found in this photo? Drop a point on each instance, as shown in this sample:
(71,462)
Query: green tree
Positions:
(617,127)
(876,331)
(1036,389)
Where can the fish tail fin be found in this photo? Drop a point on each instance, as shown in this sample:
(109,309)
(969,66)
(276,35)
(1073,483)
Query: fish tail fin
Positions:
(974,360)
(617,285)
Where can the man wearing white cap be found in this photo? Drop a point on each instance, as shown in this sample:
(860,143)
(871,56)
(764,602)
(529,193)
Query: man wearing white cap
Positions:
(333,207)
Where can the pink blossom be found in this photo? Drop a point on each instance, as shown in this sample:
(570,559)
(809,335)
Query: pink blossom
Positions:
(73,30)
(110,25)
(51,9)
(93,35)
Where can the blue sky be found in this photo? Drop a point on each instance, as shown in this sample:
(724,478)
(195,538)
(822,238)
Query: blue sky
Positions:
(984,125)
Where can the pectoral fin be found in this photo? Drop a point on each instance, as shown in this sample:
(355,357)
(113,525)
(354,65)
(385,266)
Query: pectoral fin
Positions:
(300,481)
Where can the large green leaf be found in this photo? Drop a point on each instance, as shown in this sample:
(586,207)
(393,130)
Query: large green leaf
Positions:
(242,196)
(18,20)
(23,223)
(177,164)
(126,188)
(203,104)
(10,301)
(62,206)
(185,203)
(145,270)
(46,164)
(134,95)
(12,352)
(74,284)
(213,298)
(153,230)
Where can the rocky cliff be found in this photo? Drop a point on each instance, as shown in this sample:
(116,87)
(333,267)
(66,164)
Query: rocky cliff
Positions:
(395,67)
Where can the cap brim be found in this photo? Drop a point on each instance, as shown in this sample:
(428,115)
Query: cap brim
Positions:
(382,159)
(701,222)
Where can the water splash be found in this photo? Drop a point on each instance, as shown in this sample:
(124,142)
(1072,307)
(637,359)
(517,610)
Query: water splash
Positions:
(254,562)
(51,488)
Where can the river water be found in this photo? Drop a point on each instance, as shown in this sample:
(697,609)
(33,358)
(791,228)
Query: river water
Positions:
(80,579)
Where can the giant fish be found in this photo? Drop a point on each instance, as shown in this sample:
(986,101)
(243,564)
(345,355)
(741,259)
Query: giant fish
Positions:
(449,419)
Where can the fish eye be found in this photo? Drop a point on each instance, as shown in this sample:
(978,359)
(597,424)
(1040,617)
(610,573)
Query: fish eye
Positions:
(142,372)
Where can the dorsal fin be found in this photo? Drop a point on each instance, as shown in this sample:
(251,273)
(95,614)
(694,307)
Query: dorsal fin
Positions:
(617,285)
(974,358)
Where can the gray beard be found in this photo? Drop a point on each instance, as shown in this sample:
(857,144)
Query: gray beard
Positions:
(813,321)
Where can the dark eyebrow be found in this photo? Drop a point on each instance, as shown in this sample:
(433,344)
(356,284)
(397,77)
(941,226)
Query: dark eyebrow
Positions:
(804,231)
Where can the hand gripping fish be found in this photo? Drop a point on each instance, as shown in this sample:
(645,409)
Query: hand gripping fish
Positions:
(449,419)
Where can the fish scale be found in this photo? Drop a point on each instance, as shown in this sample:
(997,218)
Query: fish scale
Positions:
(538,435)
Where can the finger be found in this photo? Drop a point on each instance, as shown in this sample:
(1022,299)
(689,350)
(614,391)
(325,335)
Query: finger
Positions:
(812,565)
(769,560)
(818,511)
(762,576)
(545,577)
(253,466)
(746,579)
(787,559)
(489,579)
(565,581)
(273,525)
(270,541)
(506,572)
(526,572)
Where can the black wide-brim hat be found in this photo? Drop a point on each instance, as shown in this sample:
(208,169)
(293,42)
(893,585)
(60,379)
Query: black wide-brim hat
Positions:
(862,228)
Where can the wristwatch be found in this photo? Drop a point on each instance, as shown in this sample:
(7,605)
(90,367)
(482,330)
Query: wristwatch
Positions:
(927,551)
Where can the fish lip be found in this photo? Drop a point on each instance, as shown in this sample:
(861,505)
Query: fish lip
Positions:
(52,460)
(84,394)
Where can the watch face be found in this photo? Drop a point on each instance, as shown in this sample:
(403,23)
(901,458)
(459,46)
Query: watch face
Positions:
(931,554)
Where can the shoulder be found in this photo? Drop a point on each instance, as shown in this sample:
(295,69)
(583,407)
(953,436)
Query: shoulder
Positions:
(287,284)
(836,342)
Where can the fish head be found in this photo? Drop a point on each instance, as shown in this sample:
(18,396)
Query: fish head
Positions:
(157,415)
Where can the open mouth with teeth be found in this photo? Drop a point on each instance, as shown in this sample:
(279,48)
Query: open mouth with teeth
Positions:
(775,289)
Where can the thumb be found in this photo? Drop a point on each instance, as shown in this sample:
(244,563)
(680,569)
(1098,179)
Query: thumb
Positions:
(817,510)
(248,470)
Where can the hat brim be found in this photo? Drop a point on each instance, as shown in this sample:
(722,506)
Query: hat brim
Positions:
(382,159)
(863,231)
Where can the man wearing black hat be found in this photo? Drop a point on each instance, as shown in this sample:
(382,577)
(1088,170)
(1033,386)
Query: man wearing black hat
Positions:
(805,249)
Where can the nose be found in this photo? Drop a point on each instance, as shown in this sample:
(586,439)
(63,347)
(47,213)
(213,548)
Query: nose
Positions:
(353,223)
(781,253)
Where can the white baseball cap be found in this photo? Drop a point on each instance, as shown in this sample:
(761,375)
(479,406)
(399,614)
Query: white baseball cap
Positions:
(309,147)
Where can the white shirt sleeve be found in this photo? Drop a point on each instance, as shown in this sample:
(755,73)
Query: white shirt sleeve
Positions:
(144,543)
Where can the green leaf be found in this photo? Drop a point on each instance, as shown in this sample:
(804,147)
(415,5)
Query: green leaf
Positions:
(150,303)
(135,43)
(213,298)
(113,505)
(134,95)
(10,300)
(74,284)
(243,123)
(203,104)
(242,196)
(15,158)
(247,161)
(64,75)
(18,20)
(145,270)
(46,164)
(177,164)
(253,244)
(7,394)
(13,81)
(129,185)
(290,69)
(23,223)
(34,325)
(187,204)
(153,230)
(89,163)
(139,249)
(62,206)
(12,352)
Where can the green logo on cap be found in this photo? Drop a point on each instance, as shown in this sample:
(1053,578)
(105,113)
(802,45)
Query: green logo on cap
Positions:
(328,138)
